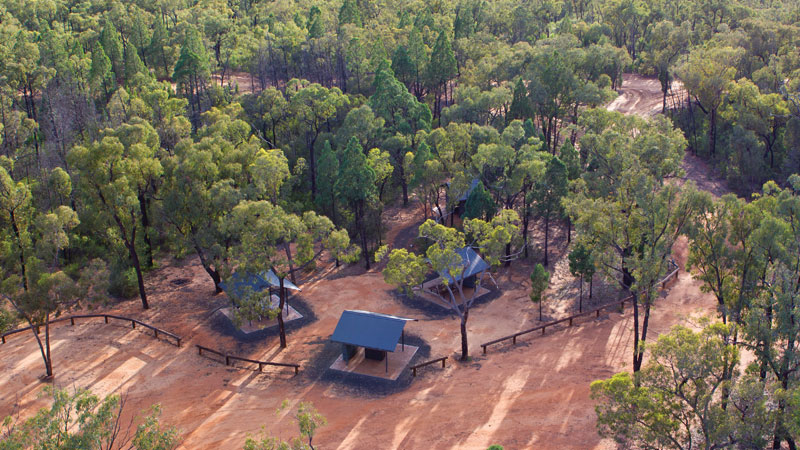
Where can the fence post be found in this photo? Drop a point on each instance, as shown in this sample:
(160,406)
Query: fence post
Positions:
(598,313)
(259,367)
(105,317)
(514,339)
(4,339)
(133,324)
(227,360)
(484,347)
(543,328)
(296,370)
(200,350)
(414,371)
(443,361)
(570,321)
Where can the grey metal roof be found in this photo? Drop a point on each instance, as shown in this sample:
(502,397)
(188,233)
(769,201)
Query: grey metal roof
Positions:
(472,263)
(471,188)
(369,329)
(239,282)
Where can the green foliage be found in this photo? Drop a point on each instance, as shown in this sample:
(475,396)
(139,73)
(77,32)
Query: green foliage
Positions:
(581,262)
(651,409)
(540,281)
(308,420)
(407,270)
(548,193)
(349,13)
(122,282)
(480,204)
(83,420)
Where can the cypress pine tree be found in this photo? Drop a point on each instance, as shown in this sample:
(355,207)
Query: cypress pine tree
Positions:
(133,64)
(349,13)
(442,69)
(520,103)
(156,53)
(112,46)
(101,75)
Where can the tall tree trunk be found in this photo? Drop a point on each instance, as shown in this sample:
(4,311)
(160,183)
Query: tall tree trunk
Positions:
(145,229)
(288,251)
(281,304)
(138,268)
(541,300)
(525,221)
(635,302)
(213,273)
(712,132)
(546,236)
(464,346)
(569,230)
(49,359)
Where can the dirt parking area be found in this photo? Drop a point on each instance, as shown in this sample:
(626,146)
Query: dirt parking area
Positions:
(535,394)
(532,395)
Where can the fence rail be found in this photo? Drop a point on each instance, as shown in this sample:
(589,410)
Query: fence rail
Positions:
(428,363)
(261,364)
(71,319)
(596,312)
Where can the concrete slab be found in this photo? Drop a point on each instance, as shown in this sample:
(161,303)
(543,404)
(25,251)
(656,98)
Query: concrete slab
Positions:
(398,361)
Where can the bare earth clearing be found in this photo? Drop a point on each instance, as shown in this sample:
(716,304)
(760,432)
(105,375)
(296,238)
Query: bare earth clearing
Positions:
(533,395)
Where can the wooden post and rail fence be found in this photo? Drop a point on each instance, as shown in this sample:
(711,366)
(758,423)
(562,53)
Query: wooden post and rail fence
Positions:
(428,363)
(616,304)
(156,331)
(230,358)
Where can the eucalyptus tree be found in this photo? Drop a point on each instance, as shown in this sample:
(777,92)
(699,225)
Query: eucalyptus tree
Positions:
(31,279)
(624,210)
(311,107)
(706,74)
(108,174)
(404,116)
(407,270)
(356,188)
(265,233)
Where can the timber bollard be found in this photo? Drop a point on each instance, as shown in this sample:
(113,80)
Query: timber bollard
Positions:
(106,317)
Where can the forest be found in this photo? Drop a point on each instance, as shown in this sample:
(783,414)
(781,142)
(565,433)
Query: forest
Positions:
(264,134)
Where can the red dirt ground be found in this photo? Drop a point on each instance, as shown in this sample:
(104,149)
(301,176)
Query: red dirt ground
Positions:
(533,395)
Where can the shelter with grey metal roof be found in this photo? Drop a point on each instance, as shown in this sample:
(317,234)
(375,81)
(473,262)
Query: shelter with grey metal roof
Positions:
(376,333)
(238,283)
(242,284)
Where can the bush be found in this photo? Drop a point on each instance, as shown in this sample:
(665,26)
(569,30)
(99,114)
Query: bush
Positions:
(123,282)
